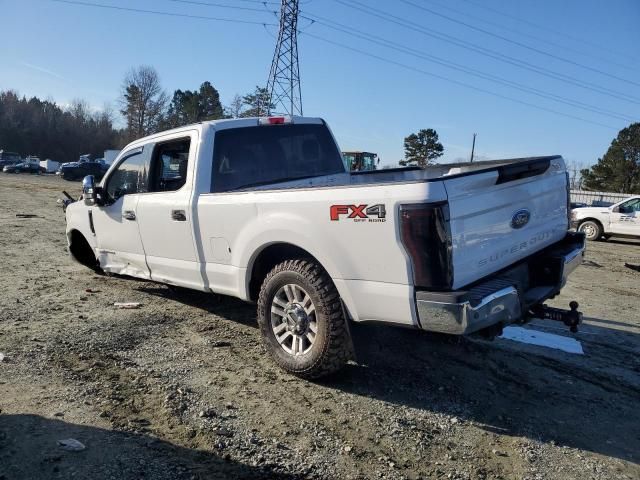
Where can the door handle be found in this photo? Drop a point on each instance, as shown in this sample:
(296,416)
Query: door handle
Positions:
(178,215)
(129,215)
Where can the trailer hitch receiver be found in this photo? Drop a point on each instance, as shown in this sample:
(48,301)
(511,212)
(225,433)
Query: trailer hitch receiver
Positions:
(571,318)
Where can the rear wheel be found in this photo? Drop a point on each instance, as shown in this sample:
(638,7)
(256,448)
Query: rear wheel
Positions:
(301,320)
(592,230)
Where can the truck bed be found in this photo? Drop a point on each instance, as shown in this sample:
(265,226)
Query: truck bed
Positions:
(517,167)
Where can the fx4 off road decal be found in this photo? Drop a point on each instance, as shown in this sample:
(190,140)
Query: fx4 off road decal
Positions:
(359,213)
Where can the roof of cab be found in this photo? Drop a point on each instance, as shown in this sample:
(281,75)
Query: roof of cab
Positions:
(257,121)
(225,123)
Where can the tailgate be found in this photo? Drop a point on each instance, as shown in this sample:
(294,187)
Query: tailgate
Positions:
(503,215)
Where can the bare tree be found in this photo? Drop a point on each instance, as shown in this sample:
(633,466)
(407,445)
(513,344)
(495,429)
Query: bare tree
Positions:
(143,101)
(575,176)
(234,109)
(80,110)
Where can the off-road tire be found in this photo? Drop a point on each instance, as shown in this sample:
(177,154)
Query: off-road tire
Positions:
(591,229)
(332,345)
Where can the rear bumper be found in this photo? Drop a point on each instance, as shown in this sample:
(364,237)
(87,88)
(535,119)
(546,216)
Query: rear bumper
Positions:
(504,297)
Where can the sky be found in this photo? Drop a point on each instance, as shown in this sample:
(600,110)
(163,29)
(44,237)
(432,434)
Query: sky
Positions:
(525,75)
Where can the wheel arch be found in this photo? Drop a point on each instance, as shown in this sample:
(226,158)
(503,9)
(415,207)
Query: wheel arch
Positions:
(80,249)
(591,219)
(267,257)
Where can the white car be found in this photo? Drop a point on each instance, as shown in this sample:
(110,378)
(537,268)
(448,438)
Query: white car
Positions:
(621,219)
(263,209)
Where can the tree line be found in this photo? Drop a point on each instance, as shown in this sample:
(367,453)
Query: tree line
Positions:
(32,126)
(43,128)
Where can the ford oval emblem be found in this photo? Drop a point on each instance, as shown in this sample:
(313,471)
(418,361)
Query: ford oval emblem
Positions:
(520,218)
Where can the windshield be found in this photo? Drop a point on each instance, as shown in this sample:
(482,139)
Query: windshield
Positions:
(250,156)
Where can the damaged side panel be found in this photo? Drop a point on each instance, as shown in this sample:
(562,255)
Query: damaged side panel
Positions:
(123,264)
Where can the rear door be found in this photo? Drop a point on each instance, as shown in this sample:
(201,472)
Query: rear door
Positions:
(165,215)
(500,216)
(625,219)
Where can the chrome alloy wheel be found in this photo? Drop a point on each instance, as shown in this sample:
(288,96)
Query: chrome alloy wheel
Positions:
(293,319)
(589,230)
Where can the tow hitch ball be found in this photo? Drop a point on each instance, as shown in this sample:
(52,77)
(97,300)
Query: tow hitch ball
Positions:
(571,318)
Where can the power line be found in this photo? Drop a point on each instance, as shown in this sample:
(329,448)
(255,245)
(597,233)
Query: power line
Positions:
(362,52)
(534,37)
(520,44)
(263,2)
(220,5)
(210,4)
(547,29)
(456,66)
(451,80)
(388,17)
(157,12)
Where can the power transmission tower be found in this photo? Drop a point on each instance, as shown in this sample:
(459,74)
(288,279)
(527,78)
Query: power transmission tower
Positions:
(284,78)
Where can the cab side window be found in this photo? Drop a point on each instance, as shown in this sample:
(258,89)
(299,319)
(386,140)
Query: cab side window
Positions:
(169,166)
(630,206)
(128,178)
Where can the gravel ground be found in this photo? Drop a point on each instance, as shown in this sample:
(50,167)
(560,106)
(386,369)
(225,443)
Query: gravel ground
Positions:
(181,388)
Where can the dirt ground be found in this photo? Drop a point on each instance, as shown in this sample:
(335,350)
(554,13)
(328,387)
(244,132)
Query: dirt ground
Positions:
(181,388)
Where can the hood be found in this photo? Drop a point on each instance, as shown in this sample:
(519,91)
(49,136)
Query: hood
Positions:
(590,210)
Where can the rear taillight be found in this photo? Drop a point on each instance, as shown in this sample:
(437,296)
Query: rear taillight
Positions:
(426,237)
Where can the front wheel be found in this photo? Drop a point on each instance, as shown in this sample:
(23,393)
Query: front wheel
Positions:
(301,320)
(592,230)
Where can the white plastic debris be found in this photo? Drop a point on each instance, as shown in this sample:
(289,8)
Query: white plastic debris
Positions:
(543,339)
(2,357)
(71,445)
(127,304)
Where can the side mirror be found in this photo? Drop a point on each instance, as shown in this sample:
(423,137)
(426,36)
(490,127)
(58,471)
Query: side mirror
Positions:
(89,191)
(616,209)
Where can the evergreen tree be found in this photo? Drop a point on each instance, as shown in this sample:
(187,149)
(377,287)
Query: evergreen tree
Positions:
(619,168)
(209,104)
(422,148)
(257,103)
(188,106)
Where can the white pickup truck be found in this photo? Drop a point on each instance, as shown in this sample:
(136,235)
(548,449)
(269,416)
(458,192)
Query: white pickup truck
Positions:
(621,220)
(262,209)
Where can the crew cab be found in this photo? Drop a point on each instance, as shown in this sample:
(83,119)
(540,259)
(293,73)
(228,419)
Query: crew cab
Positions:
(263,209)
(621,219)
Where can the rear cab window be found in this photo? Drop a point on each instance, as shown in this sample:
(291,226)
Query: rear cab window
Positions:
(252,156)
